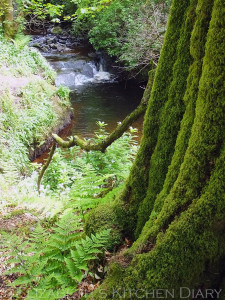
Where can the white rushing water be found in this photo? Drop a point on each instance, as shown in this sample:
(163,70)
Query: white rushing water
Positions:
(79,72)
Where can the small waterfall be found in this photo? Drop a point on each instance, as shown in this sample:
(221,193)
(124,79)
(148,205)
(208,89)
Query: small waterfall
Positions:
(81,79)
(67,79)
(101,68)
(75,71)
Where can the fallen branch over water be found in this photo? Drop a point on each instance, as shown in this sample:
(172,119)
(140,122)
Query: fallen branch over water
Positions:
(104,144)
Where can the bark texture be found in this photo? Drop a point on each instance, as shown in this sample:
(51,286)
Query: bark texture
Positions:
(173,201)
(7,18)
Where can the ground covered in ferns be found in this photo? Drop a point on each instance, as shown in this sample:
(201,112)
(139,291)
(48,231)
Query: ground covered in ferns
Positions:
(15,220)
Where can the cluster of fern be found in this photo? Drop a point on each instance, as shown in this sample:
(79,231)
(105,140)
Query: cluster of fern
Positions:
(50,265)
(89,172)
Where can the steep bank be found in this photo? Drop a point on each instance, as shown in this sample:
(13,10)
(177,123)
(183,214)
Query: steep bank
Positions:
(31,107)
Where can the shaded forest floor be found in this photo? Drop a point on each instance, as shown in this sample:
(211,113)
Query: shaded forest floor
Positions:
(13,220)
(17,220)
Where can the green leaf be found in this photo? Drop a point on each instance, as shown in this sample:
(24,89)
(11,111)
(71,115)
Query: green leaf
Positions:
(74,272)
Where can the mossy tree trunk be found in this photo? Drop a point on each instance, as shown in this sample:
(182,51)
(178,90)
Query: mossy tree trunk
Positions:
(7,18)
(173,202)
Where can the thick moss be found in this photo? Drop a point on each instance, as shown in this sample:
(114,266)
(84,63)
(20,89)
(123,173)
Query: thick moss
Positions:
(106,216)
(198,39)
(188,232)
(137,184)
(169,120)
(207,132)
(196,237)
(181,253)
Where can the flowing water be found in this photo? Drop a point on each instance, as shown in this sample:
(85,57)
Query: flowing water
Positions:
(96,92)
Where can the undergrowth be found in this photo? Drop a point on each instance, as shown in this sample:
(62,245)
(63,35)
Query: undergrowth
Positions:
(27,113)
(50,265)
(18,59)
(26,120)
(77,179)
(52,259)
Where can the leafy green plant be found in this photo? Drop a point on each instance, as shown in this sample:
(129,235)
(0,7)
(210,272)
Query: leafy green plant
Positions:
(89,173)
(64,92)
(130,30)
(24,121)
(37,12)
(53,264)
(21,41)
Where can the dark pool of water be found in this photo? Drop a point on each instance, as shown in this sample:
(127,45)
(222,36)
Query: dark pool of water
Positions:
(108,102)
(105,99)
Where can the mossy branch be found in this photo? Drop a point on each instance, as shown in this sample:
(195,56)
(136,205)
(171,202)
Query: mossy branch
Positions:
(103,145)
(46,165)
(116,134)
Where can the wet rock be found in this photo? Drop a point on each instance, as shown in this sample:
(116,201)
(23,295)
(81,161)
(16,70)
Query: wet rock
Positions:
(60,48)
(88,70)
(62,41)
(79,64)
(53,46)
(51,40)
(36,45)
(45,49)
(40,40)
(92,55)
(65,37)
(69,45)
(56,30)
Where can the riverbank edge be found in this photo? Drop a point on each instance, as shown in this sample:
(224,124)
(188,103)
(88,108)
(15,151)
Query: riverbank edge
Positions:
(64,120)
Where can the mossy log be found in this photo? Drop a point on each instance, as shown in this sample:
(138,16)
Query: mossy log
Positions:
(173,202)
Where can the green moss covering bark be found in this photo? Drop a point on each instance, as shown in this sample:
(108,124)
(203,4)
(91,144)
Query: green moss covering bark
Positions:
(181,253)
(206,138)
(137,183)
(186,231)
(198,40)
(169,120)
(7,18)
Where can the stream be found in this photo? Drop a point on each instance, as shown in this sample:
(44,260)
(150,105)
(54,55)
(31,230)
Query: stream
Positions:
(96,92)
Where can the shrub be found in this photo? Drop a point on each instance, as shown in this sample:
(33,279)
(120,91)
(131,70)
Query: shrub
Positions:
(132,31)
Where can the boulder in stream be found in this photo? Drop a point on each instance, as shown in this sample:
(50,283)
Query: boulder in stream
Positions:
(60,48)
(88,70)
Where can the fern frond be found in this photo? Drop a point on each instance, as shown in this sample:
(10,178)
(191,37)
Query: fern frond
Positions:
(63,280)
(74,272)
(22,280)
